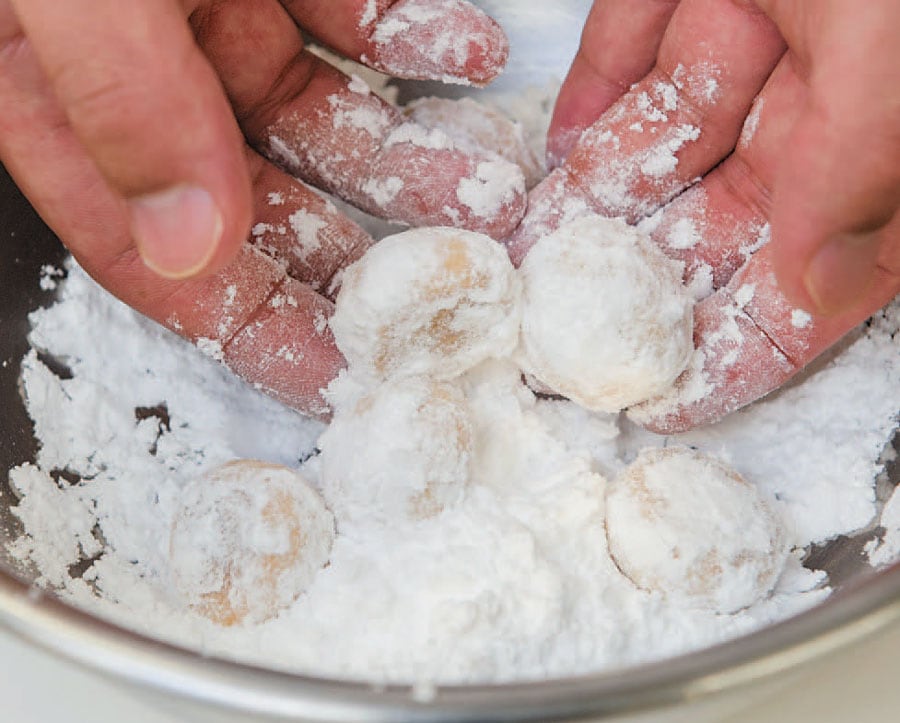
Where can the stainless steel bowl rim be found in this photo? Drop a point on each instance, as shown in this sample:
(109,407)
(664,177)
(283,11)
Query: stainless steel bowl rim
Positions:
(848,616)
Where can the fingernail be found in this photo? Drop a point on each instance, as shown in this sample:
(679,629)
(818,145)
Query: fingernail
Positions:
(177,230)
(841,271)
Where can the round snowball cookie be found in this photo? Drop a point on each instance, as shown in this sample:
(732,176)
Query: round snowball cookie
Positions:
(606,320)
(478,128)
(431,301)
(248,539)
(686,525)
(402,452)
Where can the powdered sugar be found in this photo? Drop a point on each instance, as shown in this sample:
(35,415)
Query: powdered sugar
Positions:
(800,319)
(661,160)
(502,584)
(383,191)
(751,124)
(306,227)
(495,184)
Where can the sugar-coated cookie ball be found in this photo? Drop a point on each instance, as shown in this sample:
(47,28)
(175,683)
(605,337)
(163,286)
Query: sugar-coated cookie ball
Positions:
(248,539)
(685,524)
(606,320)
(478,128)
(400,453)
(434,301)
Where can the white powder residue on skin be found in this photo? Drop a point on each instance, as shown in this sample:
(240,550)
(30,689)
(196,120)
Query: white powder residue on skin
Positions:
(282,151)
(417,135)
(763,236)
(369,118)
(369,14)
(211,347)
(744,295)
(495,184)
(388,28)
(701,81)
(306,227)
(683,234)
(383,191)
(800,319)
(661,160)
(751,124)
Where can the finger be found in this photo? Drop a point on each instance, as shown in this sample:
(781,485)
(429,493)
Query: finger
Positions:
(618,48)
(332,132)
(716,225)
(751,339)
(839,179)
(304,231)
(123,74)
(670,128)
(253,292)
(448,40)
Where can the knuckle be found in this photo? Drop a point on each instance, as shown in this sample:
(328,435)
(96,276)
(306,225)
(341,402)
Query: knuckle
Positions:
(92,92)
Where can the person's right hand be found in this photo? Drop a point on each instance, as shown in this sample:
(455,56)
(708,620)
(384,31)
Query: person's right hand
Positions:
(125,124)
(780,119)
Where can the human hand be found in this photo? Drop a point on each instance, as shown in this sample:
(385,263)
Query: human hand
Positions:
(149,136)
(813,162)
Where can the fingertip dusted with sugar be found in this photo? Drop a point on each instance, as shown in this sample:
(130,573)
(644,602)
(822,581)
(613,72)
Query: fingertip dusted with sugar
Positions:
(448,40)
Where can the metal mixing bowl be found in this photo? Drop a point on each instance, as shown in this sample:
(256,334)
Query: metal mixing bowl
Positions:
(690,687)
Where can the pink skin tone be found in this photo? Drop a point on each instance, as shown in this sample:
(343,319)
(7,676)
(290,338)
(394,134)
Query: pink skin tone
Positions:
(818,159)
(112,110)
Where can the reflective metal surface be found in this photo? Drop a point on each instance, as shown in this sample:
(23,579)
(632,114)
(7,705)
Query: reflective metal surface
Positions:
(686,688)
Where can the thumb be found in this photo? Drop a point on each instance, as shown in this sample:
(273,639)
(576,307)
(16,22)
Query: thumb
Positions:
(837,186)
(150,112)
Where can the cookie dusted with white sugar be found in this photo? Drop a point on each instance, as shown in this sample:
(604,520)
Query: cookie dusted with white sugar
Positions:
(429,301)
(247,540)
(606,320)
(399,453)
(685,524)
